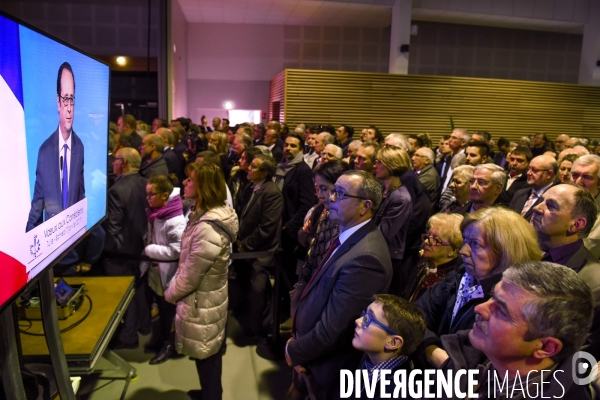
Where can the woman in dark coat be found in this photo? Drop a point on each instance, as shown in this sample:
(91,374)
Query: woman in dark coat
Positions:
(493,239)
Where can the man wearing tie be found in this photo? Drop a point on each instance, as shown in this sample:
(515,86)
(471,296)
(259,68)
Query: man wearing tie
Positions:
(356,267)
(540,176)
(59,173)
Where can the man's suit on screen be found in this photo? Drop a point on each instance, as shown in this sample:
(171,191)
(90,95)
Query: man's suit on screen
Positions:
(47,193)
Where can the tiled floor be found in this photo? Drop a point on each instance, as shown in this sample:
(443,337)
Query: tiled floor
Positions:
(246,376)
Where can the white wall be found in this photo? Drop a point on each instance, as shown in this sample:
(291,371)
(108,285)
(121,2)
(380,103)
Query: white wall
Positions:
(178,56)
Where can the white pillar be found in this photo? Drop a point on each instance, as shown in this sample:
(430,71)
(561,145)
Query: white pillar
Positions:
(400,35)
(589,73)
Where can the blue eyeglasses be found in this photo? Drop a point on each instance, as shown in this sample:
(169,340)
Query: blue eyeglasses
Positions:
(368,318)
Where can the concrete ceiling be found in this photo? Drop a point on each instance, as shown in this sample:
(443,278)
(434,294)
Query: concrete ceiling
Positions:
(354,13)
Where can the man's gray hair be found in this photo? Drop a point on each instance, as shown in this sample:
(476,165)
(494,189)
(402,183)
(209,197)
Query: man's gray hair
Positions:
(498,174)
(399,140)
(464,134)
(246,140)
(132,156)
(563,307)
(427,153)
(588,160)
(327,137)
(369,188)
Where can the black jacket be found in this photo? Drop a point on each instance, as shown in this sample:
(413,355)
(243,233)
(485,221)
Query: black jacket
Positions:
(507,194)
(126,221)
(260,219)
(158,166)
(557,384)
(438,303)
(298,197)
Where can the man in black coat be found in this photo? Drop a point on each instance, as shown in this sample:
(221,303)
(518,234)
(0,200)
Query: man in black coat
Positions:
(540,176)
(295,179)
(518,165)
(151,151)
(565,215)
(357,266)
(125,227)
(260,230)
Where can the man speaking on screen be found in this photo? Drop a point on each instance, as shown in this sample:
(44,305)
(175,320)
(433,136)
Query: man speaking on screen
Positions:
(59,172)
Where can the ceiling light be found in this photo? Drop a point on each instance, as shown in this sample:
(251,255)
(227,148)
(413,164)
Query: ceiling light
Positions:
(122,61)
(228,105)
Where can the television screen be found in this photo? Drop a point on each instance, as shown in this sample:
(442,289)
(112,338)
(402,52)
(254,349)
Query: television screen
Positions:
(54,105)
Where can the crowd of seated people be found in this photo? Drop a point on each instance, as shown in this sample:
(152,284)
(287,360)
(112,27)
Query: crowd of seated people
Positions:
(377,232)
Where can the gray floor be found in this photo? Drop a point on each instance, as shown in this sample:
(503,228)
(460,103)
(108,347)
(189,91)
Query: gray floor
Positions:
(245,375)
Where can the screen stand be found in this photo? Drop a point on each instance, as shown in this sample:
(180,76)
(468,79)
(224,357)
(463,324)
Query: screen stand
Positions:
(53,338)
(9,361)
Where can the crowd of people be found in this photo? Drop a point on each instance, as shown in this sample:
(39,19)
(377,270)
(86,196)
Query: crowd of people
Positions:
(399,254)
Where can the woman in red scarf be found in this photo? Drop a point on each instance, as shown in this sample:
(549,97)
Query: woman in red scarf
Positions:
(165,227)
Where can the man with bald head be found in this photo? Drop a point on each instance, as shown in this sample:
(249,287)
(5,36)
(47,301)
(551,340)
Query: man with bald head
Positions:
(151,151)
(572,142)
(540,177)
(125,227)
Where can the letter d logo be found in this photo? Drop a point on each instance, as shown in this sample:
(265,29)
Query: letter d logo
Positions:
(582,362)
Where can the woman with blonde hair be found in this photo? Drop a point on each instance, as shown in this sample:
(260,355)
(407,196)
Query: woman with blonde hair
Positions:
(441,244)
(494,238)
(394,214)
(200,285)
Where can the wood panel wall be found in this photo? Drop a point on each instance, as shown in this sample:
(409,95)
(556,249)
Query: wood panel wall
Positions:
(413,104)
(277,95)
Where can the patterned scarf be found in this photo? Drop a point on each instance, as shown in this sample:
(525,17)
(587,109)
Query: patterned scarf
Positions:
(327,230)
(468,289)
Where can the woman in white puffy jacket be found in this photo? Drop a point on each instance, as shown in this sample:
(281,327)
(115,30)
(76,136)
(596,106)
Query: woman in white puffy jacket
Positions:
(200,285)
(165,227)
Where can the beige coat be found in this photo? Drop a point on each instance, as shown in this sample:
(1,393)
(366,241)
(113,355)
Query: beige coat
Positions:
(200,285)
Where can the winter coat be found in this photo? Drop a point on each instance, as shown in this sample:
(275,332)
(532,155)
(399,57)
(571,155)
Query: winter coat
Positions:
(166,244)
(200,285)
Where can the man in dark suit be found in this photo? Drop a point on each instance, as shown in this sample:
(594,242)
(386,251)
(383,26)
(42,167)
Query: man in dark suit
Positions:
(540,176)
(151,151)
(518,165)
(565,215)
(356,267)
(260,230)
(126,125)
(422,162)
(295,179)
(59,179)
(125,227)
(501,159)
(172,159)
(270,140)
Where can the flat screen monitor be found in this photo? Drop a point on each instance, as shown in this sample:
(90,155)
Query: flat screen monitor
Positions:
(54,108)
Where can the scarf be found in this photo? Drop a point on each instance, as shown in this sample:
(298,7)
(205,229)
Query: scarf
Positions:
(468,289)
(173,208)
(284,167)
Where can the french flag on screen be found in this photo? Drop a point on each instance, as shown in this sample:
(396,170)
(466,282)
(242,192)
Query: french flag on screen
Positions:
(15,203)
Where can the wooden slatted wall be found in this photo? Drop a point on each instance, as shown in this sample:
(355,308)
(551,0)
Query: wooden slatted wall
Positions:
(277,95)
(417,103)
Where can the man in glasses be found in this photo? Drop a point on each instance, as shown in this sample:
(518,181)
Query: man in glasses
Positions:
(540,177)
(59,173)
(387,332)
(356,267)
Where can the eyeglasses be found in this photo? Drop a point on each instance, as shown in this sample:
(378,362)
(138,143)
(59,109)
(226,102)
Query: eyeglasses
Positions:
(67,100)
(434,240)
(337,195)
(252,166)
(368,319)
